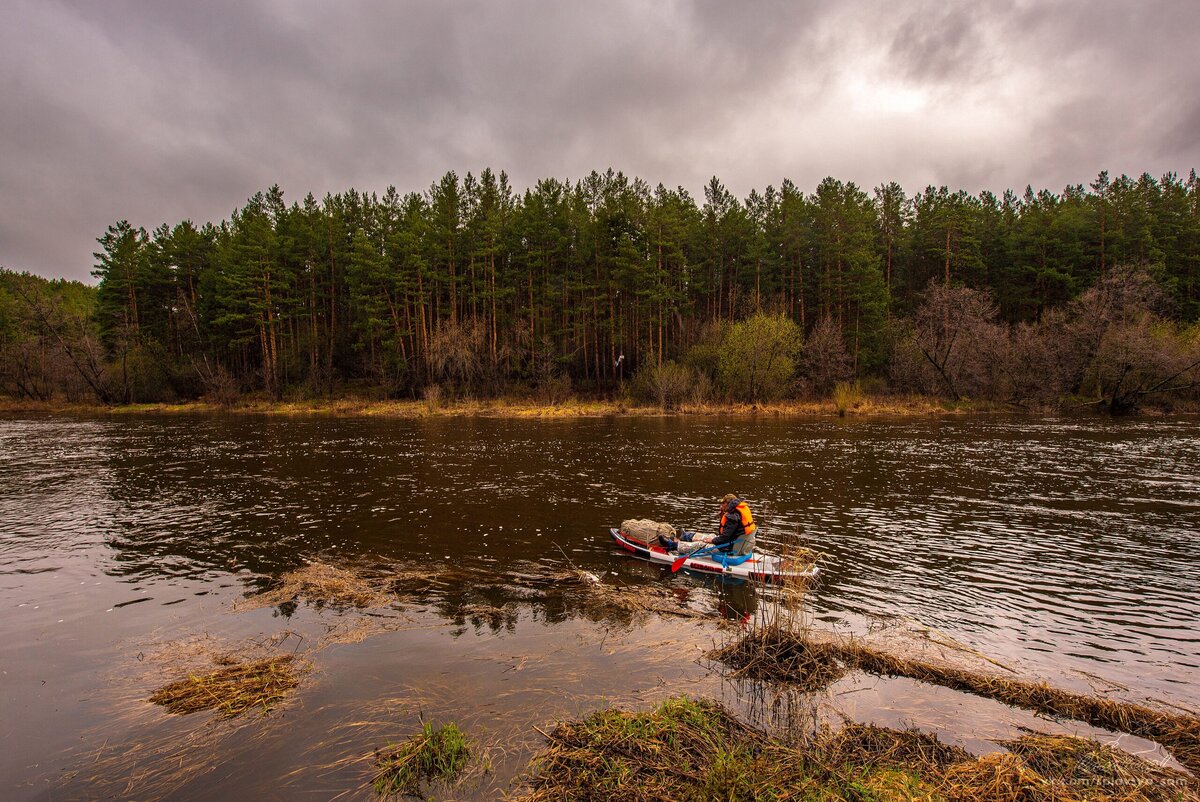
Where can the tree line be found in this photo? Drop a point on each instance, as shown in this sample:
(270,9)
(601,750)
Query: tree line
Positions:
(473,287)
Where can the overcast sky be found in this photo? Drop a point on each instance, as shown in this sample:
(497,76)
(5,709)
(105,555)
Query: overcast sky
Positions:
(159,111)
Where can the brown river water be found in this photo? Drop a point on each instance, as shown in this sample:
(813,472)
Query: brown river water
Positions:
(1068,548)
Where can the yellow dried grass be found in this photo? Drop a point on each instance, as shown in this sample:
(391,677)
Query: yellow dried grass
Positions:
(234,689)
(779,654)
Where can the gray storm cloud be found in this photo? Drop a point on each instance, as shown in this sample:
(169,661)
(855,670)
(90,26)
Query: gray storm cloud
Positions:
(160,111)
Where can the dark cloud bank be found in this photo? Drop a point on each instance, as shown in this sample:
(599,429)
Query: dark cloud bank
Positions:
(157,111)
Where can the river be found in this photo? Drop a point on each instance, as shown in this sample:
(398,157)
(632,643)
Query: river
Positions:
(1067,547)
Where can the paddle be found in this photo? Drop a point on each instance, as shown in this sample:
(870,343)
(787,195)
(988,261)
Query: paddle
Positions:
(675,566)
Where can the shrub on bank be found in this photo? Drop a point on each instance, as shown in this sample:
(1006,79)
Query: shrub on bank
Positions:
(669,385)
(758,358)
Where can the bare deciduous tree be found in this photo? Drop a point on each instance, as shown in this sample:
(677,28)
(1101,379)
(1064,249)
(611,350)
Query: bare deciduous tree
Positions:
(71,333)
(956,334)
(824,360)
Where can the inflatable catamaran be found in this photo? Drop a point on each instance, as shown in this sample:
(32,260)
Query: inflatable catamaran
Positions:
(647,544)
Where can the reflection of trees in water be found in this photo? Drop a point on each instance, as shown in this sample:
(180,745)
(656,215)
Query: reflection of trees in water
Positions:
(223,493)
(205,496)
(498,605)
(487,598)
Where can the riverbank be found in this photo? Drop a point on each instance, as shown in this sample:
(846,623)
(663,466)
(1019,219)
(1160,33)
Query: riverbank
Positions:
(628,747)
(883,406)
(696,749)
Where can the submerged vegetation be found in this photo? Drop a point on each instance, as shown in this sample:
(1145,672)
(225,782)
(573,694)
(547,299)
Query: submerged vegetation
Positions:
(489,596)
(608,288)
(324,584)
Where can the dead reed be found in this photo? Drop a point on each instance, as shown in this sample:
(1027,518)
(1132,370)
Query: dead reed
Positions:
(233,689)
(868,745)
(1087,766)
(761,654)
(323,584)
(778,653)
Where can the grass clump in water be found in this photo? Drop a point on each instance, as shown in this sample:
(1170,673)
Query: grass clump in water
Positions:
(324,585)
(770,653)
(432,755)
(234,689)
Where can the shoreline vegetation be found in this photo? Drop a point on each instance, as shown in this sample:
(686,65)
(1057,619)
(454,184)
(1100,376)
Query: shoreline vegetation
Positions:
(696,749)
(609,288)
(881,406)
(693,748)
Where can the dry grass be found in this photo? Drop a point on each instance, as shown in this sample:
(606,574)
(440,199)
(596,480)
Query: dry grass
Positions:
(762,655)
(688,749)
(779,653)
(901,405)
(847,396)
(324,585)
(234,689)
(1089,768)
(868,745)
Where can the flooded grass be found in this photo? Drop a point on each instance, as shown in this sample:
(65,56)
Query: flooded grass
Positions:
(689,749)
(235,689)
(435,754)
(323,584)
(812,660)
(1180,734)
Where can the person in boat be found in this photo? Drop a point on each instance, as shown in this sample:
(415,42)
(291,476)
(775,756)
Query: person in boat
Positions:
(735,534)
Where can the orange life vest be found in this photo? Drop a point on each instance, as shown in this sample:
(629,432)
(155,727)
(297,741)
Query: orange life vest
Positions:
(748,525)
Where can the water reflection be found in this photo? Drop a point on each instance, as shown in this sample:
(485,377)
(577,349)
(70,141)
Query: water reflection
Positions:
(1047,536)
(1067,548)
(1064,546)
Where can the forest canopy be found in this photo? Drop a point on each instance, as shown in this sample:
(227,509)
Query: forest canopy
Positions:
(607,284)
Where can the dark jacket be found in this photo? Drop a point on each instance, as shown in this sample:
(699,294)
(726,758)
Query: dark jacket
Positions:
(733,530)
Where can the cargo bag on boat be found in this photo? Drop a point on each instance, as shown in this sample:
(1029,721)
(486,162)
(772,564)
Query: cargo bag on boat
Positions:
(645,532)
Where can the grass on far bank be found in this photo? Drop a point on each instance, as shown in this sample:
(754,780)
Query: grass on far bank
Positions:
(517,407)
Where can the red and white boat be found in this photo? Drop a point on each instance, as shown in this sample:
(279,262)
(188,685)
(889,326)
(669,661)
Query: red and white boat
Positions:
(758,566)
